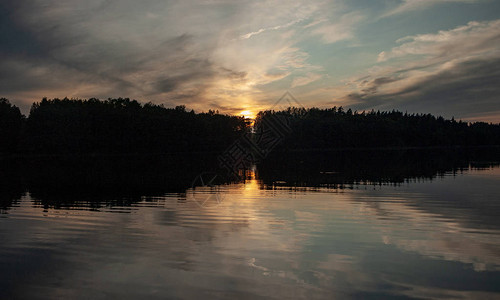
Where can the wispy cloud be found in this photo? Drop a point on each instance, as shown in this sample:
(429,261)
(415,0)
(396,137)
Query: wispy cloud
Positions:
(475,38)
(304,80)
(250,34)
(342,29)
(413,5)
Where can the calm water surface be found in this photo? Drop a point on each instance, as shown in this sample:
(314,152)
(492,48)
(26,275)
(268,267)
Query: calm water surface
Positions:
(420,239)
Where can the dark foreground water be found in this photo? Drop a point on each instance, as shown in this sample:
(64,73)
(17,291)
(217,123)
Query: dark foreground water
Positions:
(432,236)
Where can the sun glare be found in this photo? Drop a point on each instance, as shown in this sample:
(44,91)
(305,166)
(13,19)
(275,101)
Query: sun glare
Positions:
(247,114)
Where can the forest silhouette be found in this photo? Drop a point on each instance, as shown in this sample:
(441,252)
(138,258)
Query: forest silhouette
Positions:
(124,126)
(335,128)
(114,126)
(122,149)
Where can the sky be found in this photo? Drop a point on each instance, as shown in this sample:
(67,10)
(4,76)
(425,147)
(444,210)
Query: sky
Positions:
(419,56)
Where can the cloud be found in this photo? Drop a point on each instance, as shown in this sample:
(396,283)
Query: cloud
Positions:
(221,53)
(412,5)
(462,90)
(250,34)
(84,46)
(475,38)
(203,54)
(455,73)
(304,80)
(332,32)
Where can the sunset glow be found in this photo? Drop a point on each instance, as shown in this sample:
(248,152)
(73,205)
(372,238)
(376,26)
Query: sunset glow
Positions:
(235,57)
(248,114)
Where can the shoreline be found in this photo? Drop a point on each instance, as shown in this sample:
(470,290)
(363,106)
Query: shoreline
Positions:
(215,153)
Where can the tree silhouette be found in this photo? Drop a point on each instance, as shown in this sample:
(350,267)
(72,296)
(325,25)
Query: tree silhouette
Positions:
(118,126)
(335,128)
(11,124)
(124,126)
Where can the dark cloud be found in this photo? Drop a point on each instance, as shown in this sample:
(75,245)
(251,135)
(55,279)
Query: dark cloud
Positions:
(376,83)
(464,90)
(227,109)
(167,85)
(15,39)
(89,51)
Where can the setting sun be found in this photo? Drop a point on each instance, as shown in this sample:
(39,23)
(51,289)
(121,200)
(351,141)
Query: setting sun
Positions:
(247,114)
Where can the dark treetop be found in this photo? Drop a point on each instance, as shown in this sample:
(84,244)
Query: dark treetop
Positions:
(336,128)
(124,126)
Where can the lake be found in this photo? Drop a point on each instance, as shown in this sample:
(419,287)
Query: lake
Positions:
(368,225)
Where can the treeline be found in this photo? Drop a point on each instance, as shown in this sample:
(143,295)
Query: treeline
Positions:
(11,126)
(123,126)
(114,126)
(337,128)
